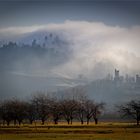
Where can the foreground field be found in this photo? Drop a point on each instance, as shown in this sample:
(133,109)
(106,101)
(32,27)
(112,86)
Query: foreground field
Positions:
(107,131)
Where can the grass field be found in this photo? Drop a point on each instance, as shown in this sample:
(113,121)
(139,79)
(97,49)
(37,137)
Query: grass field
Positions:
(102,131)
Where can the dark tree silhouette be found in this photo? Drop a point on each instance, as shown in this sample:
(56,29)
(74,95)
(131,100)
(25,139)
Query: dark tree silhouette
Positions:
(13,110)
(55,110)
(89,109)
(68,107)
(74,105)
(31,112)
(97,110)
(131,109)
(41,102)
(6,112)
(81,108)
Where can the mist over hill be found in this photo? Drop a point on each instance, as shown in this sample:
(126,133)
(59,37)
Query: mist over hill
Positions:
(28,65)
(54,57)
(51,51)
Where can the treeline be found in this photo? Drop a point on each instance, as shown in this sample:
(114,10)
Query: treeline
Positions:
(43,107)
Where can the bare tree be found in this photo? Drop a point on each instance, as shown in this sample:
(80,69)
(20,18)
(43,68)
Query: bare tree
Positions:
(68,107)
(97,110)
(78,94)
(13,110)
(89,109)
(55,110)
(41,102)
(31,112)
(131,109)
(81,99)
(74,105)
(81,111)
(18,109)
(6,112)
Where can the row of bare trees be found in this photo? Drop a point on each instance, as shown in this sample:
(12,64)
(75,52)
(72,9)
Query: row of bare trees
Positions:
(43,107)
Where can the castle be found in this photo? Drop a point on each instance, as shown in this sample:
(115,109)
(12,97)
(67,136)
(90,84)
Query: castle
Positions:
(128,79)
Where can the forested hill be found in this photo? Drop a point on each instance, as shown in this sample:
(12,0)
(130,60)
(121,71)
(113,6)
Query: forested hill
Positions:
(50,51)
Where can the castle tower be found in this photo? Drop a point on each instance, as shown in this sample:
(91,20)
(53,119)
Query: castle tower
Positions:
(117,76)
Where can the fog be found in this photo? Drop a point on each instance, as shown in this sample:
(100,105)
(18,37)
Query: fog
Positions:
(84,52)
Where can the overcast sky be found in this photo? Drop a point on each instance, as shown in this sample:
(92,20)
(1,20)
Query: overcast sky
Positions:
(36,12)
(103,34)
(110,29)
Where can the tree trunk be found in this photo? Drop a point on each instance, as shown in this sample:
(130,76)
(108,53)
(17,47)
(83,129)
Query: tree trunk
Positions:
(82,122)
(87,121)
(71,121)
(96,120)
(43,121)
(31,121)
(55,121)
(68,121)
(8,123)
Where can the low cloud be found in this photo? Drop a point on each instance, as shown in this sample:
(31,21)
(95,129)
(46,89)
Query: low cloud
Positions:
(97,48)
